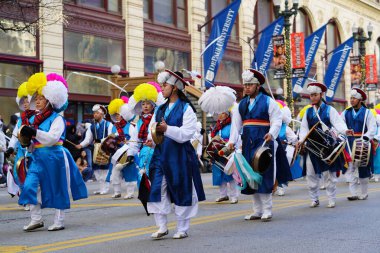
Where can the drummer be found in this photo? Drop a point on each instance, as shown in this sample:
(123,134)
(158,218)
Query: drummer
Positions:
(362,125)
(222,128)
(103,129)
(126,134)
(315,167)
(259,119)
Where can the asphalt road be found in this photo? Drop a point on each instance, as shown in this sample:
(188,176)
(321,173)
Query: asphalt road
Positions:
(101,224)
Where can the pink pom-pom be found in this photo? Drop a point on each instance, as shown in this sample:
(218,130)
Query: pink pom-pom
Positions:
(281,102)
(156,85)
(125,99)
(377,111)
(56,77)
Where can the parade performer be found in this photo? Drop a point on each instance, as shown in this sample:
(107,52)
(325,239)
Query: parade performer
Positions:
(19,172)
(174,171)
(376,140)
(222,128)
(99,129)
(258,117)
(126,134)
(314,166)
(362,125)
(286,140)
(52,169)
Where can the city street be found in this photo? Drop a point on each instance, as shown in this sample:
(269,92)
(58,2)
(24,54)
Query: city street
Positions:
(101,224)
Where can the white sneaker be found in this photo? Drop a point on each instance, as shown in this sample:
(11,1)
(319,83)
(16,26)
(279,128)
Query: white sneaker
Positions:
(116,195)
(314,204)
(158,234)
(331,204)
(234,201)
(180,235)
(129,196)
(266,217)
(363,197)
(376,179)
(280,191)
(322,187)
(103,192)
(26,208)
(56,227)
(252,216)
(33,225)
(96,192)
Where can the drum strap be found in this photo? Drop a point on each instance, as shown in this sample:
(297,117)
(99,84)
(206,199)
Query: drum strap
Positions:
(324,126)
(365,121)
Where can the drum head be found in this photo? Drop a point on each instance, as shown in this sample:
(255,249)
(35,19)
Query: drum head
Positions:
(262,160)
(158,138)
(109,145)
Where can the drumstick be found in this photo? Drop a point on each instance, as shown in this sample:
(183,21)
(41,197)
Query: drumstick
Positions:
(72,143)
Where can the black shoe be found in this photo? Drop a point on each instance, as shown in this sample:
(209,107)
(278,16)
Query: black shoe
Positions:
(352,198)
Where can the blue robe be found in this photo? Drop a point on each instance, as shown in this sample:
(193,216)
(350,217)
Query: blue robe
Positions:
(253,138)
(318,164)
(48,170)
(176,161)
(218,176)
(19,155)
(356,123)
(283,173)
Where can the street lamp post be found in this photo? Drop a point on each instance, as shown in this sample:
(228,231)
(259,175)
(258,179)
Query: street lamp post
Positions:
(287,14)
(358,34)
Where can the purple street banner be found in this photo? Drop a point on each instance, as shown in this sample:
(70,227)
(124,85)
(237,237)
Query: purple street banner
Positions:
(217,42)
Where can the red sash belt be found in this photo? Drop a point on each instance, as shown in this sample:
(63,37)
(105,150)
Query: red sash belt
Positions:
(256,122)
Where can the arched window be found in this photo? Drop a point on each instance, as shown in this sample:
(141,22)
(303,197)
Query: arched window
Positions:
(302,23)
(263,16)
(333,40)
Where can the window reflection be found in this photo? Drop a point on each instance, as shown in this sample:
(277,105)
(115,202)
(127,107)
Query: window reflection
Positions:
(229,72)
(12,75)
(173,59)
(88,85)
(89,49)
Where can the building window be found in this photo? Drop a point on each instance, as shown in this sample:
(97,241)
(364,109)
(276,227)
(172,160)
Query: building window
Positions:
(229,72)
(173,59)
(302,23)
(332,41)
(93,50)
(17,43)
(12,75)
(263,16)
(377,53)
(88,85)
(107,5)
(168,12)
(213,7)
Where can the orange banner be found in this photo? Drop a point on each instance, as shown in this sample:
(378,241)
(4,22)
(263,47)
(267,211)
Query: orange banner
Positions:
(370,69)
(298,54)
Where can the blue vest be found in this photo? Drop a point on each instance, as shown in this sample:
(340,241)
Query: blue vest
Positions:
(253,137)
(101,131)
(323,112)
(176,161)
(46,124)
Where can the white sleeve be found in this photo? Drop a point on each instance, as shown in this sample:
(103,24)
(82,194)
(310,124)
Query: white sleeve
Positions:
(88,138)
(337,121)
(236,125)
(13,142)
(110,127)
(371,126)
(291,136)
(55,132)
(3,142)
(133,145)
(152,121)
(275,118)
(304,128)
(186,131)
(343,116)
(200,145)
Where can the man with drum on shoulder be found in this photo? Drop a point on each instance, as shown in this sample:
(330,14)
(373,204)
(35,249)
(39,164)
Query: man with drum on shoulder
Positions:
(259,119)
(315,167)
(100,129)
(362,125)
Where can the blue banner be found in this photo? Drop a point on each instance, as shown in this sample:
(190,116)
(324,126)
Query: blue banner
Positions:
(336,66)
(217,42)
(264,52)
(311,47)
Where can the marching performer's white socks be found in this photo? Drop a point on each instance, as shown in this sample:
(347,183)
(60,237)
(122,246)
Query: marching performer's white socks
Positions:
(59,217)
(364,185)
(161,222)
(312,180)
(183,225)
(116,188)
(257,205)
(35,213)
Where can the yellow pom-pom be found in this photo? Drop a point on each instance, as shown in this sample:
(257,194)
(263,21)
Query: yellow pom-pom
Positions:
(377,107)
(35,83)
(144,92)
(302,112)
(22,91)
(373,112)
(115,105)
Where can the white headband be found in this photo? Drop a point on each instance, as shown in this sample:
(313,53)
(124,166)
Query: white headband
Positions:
(356,94)
(314,89)
(165,77)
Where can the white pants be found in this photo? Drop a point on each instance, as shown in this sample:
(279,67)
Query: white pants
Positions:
(354,181)
(234,193)
(262,204)
(36,215)
(163,208)
(313,181)
(101,176)
(117,179)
